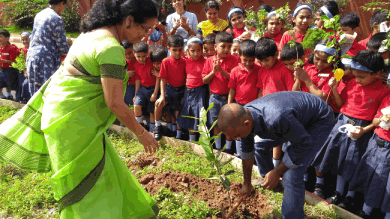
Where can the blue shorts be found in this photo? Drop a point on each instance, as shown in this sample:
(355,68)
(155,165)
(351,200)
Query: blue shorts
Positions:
(143,98)
(130,93)
(9,78)
(193,101)
(219,101)
(173,96)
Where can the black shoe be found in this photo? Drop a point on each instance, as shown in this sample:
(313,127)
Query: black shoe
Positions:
(348,204)
(363,215)
(10,98)
(308,187)
(319,190)
(335,198)
(157,132)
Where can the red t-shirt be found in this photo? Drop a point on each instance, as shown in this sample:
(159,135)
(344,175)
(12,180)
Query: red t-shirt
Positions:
(143,73)
(236,32)
(343,82)
(174,71)
(362,102)
(194,69)
(275,79)
(245,83)
(355,48)
(321,80)
(383,133)
(10,52)
(364,42)
(277,40)
(219,84)
(287,37)
(130,67)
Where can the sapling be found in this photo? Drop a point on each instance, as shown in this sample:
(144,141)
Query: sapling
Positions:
(20,62)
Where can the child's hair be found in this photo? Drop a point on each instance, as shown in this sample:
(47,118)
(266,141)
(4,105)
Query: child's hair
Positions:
(301,7)
(375,42)
(248,48)
(324,42)
(195,40)
(378,17)
(350,19)
(141,46)
(234,11)
(211,4)
(289,52)
(265,47)
(175,41)
(158,55)
(126,44)
(266,8)
(209,39)
(223,37)
(370,59)
(331,6)
(5,33)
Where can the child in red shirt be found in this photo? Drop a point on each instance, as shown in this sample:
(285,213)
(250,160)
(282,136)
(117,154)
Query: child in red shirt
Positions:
(195,96)
(216,73)
(359,103)
(22,92)
(236,17)
(8,75)
(274,26)
(348,24)
(173,80)
(243,79)
(273,77)
(329,9)
(302,17)
(234,51)
(377,18)
(146,84)
(209,45)
(130,59)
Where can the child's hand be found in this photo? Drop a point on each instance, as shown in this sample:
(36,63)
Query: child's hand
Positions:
(160,101)
(131,73)
(161,27)
(176,23)
(333,83)
(184,22)
(216,65)
(245,36)
(153,98)
(155,72)
(301,74)
(385,118)
(357,133)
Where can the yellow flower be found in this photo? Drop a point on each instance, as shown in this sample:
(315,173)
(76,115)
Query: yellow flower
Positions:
(264,17)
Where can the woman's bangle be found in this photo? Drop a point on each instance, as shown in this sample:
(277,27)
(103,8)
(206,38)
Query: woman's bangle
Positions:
(142,133)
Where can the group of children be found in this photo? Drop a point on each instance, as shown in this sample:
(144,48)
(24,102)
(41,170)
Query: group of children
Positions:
(234,66)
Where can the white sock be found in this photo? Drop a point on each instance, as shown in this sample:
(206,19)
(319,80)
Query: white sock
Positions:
(228,145)
(139,119)
(174,128)
(218,143)
(192,137)
(276,162)
(178,134)
(158,123)
(306,177)
(151,127)
(320,180)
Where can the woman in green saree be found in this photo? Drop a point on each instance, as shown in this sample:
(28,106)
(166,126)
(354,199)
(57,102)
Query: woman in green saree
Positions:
(63,127)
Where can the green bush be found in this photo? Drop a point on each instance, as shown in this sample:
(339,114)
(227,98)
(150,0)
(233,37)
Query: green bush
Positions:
(71,16)
(22,12)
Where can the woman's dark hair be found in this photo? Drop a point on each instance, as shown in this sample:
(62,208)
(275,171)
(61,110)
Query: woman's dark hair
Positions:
(289,52)
(370,59)
(248,48)
(175,41)
(223,37)
(375,42)
(141,46)
(112,12)
(235,13)
(265,47)
(209,39)
(158,55)
(266,7)
(332,7)
(126,44)
(54,2)
(337,46)
(211,4)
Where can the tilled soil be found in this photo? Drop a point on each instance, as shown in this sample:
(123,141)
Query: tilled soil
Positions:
(210,191)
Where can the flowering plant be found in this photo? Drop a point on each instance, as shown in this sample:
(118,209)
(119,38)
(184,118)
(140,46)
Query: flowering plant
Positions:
(282,13)
(258,20)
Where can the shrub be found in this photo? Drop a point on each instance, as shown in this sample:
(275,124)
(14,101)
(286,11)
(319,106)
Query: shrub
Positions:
(71,16)
(22,12)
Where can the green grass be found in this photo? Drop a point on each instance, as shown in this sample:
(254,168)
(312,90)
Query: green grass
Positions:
(18,30)
(6,112)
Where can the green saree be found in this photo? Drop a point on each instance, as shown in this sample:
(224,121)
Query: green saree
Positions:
(63,130)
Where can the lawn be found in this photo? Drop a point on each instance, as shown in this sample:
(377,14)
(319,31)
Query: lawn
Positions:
(29,195)
(18,30)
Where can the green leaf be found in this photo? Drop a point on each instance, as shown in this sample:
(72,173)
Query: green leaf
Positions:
(214,124)
(214,178)
(210,107)
(230,172)
(191,117)
(225,182)
(327,24)
(325,18)
(330,58)
(336,18)
(346,56)
(226,162)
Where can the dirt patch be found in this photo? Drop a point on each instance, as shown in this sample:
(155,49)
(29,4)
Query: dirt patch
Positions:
(143,161)
(256,206)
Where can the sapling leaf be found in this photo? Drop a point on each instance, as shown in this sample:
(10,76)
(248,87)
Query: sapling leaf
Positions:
(211,106)
(327,24)
(330,58)
(214,178)
(230,172)
(336,17)
(225,182)
(342,41)
(324,18)
(346,56)
(226,162)
(214,124)
(191,117)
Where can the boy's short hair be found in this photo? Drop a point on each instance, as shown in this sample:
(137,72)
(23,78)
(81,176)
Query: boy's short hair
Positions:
(248,48)
(175,41)
(141,46)
(5,33)
(265,47)
(370,59)
(332,7)
(350,19)
(289,52)
(266,8)
(158,55)
(223,37)
(126,44)
(209,39)
(378,17)
(376,41)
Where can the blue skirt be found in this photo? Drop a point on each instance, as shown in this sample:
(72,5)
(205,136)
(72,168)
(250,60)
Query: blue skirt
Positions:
(340,154)
(193,101)
(372,174)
